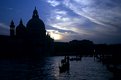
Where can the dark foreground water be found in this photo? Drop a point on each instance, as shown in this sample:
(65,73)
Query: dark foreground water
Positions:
(47,69)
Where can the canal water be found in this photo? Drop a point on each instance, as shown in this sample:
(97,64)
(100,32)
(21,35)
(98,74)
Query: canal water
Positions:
(48,69)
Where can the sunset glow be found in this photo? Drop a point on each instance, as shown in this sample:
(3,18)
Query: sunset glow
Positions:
(55,35)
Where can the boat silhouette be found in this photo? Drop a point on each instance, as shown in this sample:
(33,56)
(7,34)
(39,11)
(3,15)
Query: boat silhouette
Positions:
(65,65)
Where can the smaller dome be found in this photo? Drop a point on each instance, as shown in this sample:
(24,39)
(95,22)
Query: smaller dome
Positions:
(20,29)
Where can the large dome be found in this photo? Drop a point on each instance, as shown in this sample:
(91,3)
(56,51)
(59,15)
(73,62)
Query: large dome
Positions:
(35,26)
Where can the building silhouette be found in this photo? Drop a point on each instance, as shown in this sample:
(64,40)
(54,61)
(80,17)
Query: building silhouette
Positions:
(12,29)
(35,28)
(32,37)
(21,30)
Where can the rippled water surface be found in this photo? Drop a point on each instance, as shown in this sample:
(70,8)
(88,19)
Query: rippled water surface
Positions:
(47,69)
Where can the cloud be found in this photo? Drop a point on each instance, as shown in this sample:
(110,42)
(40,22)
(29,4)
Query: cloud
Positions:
(59,35)
(61,20)
(91,19)
(4,29)
(2,25)
(104,13)
(10,8)
(53,3)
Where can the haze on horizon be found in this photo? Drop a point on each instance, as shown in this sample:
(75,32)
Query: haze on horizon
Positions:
(66,20)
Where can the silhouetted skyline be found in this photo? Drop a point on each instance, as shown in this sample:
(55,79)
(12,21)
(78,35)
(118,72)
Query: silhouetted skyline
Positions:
(66,20)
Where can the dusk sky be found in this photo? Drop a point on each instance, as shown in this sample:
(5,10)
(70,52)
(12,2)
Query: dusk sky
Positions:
(66,20)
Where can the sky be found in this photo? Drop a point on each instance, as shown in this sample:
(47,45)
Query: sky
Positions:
(66,20)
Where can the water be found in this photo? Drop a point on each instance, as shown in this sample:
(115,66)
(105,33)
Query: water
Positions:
(47,69)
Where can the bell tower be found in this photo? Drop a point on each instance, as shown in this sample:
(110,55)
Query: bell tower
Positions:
(12,29)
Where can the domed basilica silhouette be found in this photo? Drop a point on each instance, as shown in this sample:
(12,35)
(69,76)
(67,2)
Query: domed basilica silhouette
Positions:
(32,35)
(34,30)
